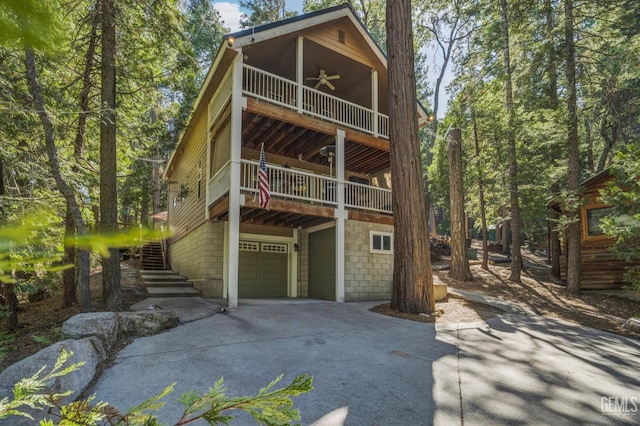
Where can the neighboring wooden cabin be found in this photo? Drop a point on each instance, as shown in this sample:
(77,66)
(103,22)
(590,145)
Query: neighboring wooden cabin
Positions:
(599,268)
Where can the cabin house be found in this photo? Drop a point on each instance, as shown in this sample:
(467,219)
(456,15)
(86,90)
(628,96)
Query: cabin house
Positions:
(311,91)
(599,269)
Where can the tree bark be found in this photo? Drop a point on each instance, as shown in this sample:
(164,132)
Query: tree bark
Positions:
(69,275)
(504,235)
(108,159)
(412,279)
(78,145)
(11,300)
(554,234)
(483,207)
(54,166)
(459,263)
(573,177)
(516,257)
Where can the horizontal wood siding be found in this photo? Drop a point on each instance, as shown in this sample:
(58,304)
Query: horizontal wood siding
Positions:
(189,214)
(599,268)
(354,47)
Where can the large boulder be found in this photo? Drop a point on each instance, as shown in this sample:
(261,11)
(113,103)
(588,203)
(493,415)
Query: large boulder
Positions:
(103,325)
(633,324)
(137,324)
(88,350)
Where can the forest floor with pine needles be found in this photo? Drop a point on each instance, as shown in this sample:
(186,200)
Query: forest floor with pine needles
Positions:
(40,322)
(538,291)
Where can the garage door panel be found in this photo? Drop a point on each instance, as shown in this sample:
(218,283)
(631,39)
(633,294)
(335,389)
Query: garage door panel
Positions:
(262,273)
(322,264)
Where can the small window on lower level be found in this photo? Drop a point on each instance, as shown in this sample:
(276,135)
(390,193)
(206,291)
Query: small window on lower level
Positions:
(380,242)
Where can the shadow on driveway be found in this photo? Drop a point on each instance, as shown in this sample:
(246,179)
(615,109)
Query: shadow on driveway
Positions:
(370,369)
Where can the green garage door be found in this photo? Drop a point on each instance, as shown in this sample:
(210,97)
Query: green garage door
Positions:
(322,264)
(262,269)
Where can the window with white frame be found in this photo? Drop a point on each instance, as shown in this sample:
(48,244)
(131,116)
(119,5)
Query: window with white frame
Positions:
(380,242)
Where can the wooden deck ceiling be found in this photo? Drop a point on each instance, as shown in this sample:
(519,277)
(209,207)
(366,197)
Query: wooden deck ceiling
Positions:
(295,141)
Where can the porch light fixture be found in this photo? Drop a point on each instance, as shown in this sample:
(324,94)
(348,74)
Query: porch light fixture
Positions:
(329,151)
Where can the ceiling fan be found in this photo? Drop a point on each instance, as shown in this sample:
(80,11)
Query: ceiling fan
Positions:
(323,79)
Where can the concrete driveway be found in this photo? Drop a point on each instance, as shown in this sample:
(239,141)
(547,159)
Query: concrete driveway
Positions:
(371,369)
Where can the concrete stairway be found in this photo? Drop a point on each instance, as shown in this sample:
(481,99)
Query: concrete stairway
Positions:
(167,284)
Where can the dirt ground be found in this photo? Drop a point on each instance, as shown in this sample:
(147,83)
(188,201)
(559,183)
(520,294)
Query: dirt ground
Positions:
(40,322)
(538,291)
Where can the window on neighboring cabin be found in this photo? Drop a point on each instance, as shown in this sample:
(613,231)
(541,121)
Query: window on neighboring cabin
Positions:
(380,242)
(594,216)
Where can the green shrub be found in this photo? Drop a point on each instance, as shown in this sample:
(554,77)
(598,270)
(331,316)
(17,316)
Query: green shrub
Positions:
(270,406)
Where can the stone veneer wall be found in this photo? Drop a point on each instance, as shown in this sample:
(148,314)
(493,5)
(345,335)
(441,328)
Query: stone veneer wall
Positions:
(368,276)
(199,256)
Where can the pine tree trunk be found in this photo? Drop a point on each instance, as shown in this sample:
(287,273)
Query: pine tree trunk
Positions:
(506,231)
(554,234)
(12,305)
(459,264)
(2,212)
(69,275)
(573,181)
(61,183)
(483,207)
(412,279)
(516,257)
(108,154)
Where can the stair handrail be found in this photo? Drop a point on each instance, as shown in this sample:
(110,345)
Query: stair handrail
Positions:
(163,245)
(140,250)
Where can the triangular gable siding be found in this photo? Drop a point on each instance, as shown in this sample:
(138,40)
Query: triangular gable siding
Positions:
(354,47)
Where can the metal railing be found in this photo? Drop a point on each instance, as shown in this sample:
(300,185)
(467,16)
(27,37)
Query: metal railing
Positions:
(284,92)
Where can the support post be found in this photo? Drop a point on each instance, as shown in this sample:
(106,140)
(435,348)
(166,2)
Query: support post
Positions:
(293,279)
(341,216)
(374,100)
(299,73)
(233,242)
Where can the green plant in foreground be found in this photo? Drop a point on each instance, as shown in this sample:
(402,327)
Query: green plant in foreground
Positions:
(270,406)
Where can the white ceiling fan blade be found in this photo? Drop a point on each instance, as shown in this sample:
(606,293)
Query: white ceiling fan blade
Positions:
(331,86)
(313,78)
(318,85)
(333,77)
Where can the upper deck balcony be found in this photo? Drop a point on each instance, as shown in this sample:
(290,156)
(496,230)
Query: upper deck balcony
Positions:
(303,99)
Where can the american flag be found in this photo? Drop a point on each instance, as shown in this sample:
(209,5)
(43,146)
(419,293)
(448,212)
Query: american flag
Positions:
(263,181)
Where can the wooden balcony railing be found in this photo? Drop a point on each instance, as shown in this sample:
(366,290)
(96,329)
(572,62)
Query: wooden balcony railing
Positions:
(307,187)
(281,91)
(289,183)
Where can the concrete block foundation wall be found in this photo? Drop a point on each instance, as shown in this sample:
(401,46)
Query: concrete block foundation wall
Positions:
(368,276)
(199,257)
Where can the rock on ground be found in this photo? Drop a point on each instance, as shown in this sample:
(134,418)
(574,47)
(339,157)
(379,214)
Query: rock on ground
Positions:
(138,324)
(103,325)
(89,350)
